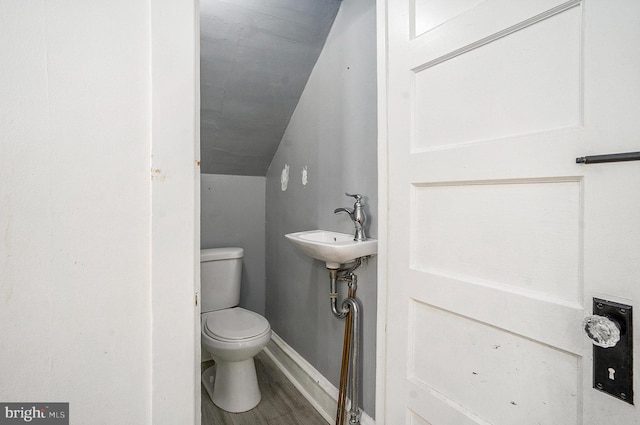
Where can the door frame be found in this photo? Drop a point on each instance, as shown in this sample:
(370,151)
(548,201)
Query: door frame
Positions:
(383,200)
(174,92)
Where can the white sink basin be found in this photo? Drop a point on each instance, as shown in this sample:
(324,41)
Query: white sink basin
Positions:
(332,247)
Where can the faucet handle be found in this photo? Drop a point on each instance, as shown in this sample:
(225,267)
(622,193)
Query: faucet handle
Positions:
(357,196)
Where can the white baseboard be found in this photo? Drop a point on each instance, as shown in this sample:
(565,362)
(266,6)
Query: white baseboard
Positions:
(321,393)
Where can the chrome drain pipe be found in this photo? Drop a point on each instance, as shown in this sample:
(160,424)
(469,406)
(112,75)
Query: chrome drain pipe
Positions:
(343,275)
(349,304)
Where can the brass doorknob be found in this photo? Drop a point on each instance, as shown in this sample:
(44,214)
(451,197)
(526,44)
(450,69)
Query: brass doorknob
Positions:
(601,330)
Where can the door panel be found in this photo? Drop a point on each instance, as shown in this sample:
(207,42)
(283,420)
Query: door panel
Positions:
(463,217)
(502,366)
(503,88)
(497,239)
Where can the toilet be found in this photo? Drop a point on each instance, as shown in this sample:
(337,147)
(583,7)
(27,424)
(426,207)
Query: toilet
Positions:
(231,334)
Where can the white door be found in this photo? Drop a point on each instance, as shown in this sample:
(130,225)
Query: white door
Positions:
(497,239)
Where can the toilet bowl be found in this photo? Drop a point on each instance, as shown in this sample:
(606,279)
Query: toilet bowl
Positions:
(231,334)
(233,337)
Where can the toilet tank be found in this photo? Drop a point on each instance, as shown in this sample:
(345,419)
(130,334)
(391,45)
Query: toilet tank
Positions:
(220,277)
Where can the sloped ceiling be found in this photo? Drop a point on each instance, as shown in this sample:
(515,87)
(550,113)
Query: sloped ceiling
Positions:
(255,59)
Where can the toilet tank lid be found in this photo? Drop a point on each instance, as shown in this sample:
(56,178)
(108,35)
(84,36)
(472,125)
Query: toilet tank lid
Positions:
(212,254)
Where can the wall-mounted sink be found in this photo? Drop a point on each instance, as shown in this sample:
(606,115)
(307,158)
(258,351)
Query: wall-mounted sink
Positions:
(332,247)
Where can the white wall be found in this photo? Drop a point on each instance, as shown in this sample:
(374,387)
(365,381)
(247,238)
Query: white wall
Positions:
(232,211)
(76,209)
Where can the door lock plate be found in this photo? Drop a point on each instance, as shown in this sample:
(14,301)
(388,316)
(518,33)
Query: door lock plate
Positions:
(613,367)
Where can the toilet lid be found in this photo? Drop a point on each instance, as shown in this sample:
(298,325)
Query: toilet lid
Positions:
(235,324)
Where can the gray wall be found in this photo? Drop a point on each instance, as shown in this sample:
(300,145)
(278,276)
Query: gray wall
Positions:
(255,58)
(233,214)
(333,134)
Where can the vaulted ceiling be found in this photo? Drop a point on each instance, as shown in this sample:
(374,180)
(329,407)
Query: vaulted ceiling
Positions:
(255,59)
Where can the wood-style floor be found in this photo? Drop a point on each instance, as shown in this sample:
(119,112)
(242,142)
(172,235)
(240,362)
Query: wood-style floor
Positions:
(281,404)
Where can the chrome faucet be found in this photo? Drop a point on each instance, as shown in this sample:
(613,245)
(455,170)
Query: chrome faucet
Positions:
(357,215)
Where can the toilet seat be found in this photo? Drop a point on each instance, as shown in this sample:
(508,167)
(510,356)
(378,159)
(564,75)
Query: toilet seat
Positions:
(235,325)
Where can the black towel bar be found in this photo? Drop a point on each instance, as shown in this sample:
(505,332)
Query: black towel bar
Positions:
(613,157)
